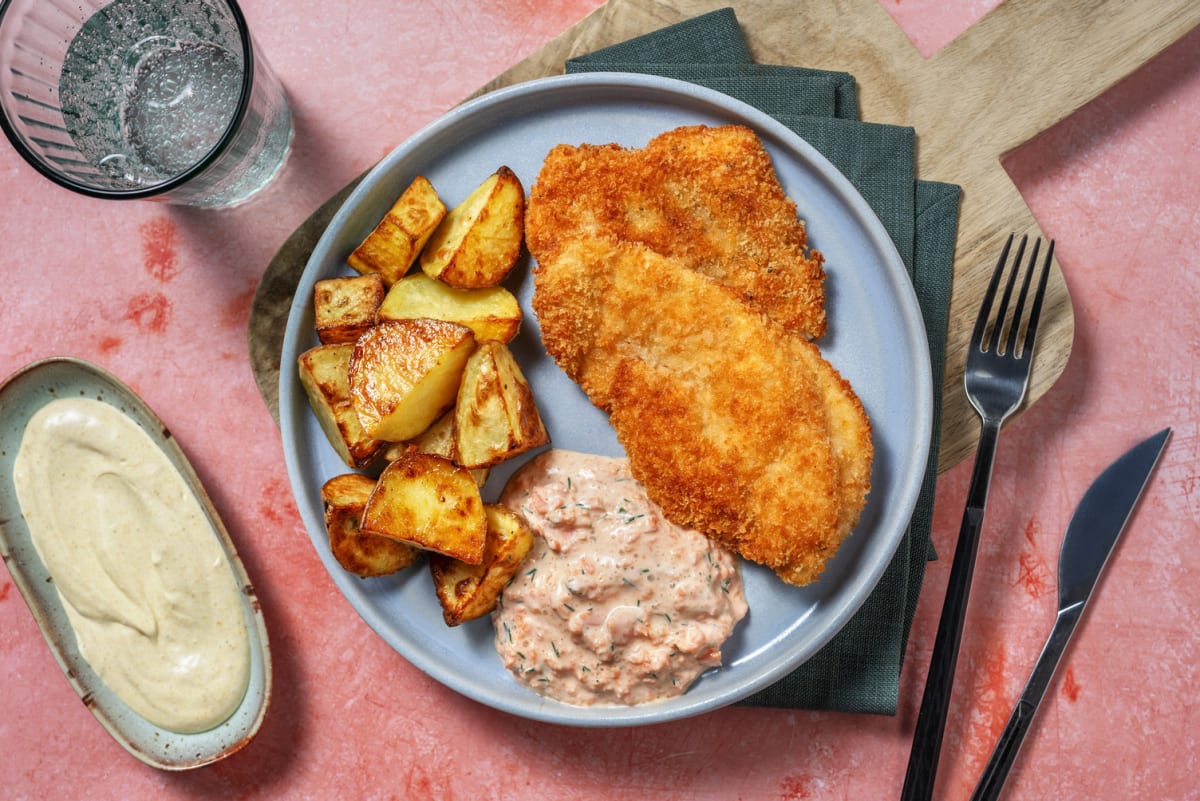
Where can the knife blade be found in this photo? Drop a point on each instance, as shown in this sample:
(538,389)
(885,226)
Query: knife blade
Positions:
(1091,536)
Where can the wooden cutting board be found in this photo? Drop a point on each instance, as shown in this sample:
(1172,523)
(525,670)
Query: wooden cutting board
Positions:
(1024,67)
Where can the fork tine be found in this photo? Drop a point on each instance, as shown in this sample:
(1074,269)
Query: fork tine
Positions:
(998,327)
(1036,312)
(989,296)
(1014,326)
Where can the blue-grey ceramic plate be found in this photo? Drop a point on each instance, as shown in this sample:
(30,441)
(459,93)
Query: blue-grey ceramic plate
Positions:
(877,340)
(21,396)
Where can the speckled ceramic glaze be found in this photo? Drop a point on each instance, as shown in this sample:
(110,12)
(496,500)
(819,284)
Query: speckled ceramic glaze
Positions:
(21,396)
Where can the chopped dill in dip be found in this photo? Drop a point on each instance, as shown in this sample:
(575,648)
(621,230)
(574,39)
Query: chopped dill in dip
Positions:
(614,603)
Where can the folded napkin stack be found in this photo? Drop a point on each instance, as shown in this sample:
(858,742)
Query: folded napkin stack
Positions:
(859,670)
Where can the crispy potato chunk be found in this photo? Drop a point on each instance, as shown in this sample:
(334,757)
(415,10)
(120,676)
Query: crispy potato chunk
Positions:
(405,373)
(470,591)
(325,375)
(393,246)
(344,497)
(491,312)
(438,439)
(430,503)
(495,417)
(478,243)
(345,307)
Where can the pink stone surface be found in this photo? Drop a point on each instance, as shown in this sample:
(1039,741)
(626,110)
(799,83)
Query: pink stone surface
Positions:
(161,297)
(932,24)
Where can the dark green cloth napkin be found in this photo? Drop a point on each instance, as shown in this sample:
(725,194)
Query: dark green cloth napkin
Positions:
(859,670)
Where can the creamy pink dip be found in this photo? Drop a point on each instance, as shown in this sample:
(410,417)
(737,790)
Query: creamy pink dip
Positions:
(614,603)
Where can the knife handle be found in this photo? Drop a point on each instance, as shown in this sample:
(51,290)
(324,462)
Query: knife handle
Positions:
(1009,744)
(935,703)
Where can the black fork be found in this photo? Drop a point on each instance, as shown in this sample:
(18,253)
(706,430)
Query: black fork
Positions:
(996,379)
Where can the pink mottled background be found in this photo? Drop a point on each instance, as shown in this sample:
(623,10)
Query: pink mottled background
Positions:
(161,297)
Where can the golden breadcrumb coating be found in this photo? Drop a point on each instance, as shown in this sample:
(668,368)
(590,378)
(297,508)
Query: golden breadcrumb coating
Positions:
(725,417)
(706,196)
(675,286)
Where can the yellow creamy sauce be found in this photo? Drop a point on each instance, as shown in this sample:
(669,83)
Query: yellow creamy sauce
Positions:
(614,603)
(145,583)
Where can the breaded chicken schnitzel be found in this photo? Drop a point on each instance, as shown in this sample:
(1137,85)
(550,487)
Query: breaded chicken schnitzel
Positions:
(705,196)
(674,285)
(736,427)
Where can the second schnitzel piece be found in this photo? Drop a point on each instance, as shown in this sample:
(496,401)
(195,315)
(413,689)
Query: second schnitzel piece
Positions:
(737,428)
(705,196)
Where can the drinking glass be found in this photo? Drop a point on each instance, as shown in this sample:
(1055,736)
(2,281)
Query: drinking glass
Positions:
(162,99)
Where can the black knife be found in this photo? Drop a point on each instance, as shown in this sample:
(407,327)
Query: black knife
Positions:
(1093,531)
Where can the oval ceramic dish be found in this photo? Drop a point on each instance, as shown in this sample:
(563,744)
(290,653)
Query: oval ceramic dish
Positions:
(20,397)
(877,340)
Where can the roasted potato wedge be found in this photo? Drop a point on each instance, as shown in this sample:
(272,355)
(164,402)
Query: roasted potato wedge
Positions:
(491,312)
(392,247)
(345,307)
(478,243)
(429,503)
(405,373)
(470,591)
(438,439)
(495,417)
(325,375)
(344,497)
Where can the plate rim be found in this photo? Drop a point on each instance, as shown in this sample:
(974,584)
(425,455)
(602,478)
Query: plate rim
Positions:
(536,707)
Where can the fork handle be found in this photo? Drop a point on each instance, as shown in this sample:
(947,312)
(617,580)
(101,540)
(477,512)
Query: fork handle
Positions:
(935,703)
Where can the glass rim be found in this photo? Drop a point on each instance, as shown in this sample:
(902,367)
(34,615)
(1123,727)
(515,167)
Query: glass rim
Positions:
(170,184)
